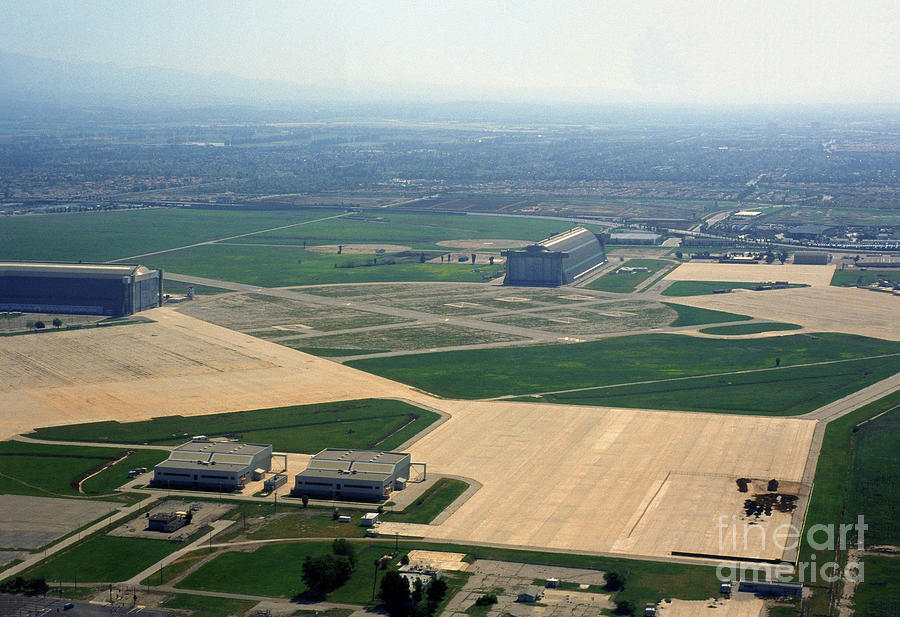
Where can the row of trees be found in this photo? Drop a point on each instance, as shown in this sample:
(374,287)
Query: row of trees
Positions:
(40,325)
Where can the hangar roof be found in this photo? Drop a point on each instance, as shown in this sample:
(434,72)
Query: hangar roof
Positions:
(60,269)
(213,455)
(221,447)
(359,456)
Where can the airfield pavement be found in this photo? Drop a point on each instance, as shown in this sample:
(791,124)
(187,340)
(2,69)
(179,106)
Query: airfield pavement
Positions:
(608,480)
(818,308)
(175,365)
(752,273)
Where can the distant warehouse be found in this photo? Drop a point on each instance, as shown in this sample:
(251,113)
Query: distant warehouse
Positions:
(212,465)
(78,288)
(559,260)
(812,259)
(353,474)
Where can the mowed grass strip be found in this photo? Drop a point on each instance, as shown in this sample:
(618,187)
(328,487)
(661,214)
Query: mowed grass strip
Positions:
(781,392)
(359,424)
(103,559)
(431,503)
(488,373)
(702,288)
(48,470)
(751,328)
(696,316)
(627,282)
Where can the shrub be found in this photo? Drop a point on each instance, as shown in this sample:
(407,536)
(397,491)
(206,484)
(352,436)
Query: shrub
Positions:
(486,600)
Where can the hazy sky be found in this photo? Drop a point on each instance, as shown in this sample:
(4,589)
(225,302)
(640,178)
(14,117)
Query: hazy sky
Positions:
(687,51)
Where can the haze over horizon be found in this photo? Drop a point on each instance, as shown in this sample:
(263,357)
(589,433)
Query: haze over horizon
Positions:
(657,51)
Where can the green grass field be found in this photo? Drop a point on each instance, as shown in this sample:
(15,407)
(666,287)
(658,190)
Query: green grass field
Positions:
(626,283)
(179,566)
(103,559)
(431,503)
(116,235)
(53,471)
(207,606)
(365,423)
(337,352)
(100,236)
(875,479)
(487,373)
(702,288)
(852,278)
(283,266)
(418,230)
(834,487)
(263,571)
(879,594)
(782,392)
(274,570)
(695,316)
(177,287)
(751,328)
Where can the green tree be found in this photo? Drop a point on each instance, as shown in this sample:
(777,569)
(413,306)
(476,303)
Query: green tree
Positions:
(394,594)
(326,573)
(624,607)
(613,580)
(485,600)
(304,499)
(418,591)
(57,322)
(438,589)
(39,325)
(343,548)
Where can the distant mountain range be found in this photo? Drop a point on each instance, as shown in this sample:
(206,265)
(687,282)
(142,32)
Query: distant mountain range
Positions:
(41,80)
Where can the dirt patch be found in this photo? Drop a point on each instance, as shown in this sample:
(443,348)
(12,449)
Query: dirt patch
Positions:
(487,243)
(358,249)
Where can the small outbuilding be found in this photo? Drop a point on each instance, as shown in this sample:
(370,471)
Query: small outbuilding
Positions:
(532,593)
(167,522)
(369,519)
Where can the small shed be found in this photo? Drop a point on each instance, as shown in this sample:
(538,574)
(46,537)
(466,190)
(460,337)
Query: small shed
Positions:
(532,593)
(369,519)
(552,583)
